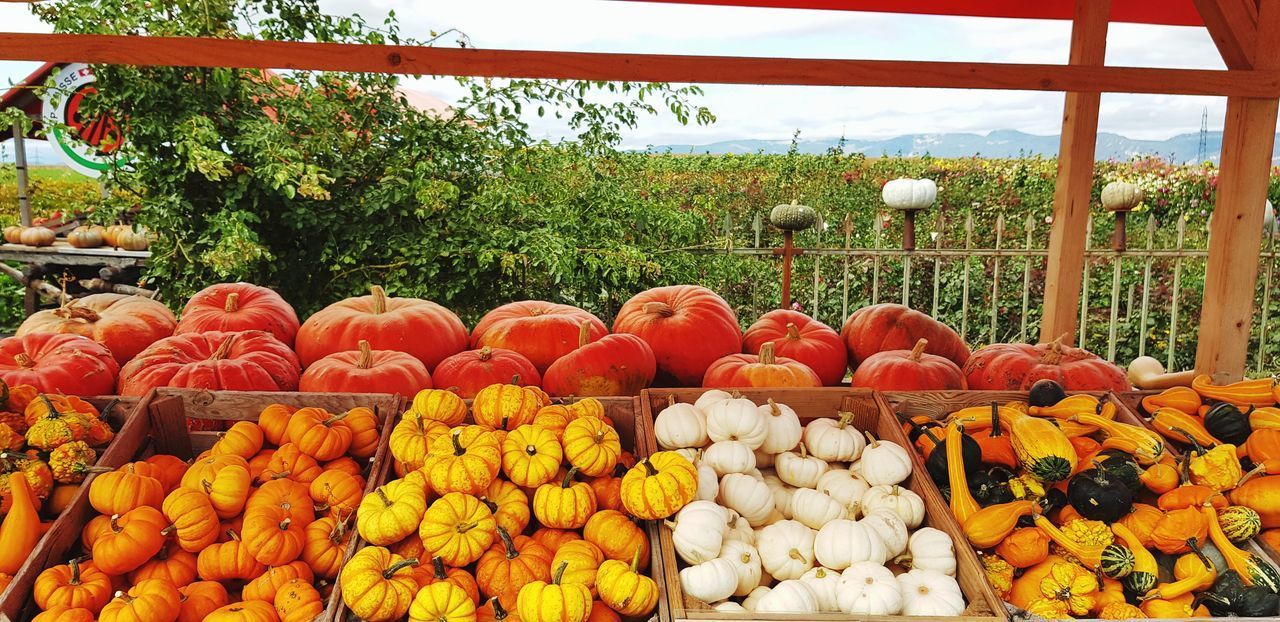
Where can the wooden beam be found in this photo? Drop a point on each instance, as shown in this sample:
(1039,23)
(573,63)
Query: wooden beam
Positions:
(1233,25)
(1235,238)
(204,52)
(1073,189)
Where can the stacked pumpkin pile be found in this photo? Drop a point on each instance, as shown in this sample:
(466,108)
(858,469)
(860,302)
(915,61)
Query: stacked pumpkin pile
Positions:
(1080,515)
(793,518)
(449,536)
(123,237)
(256,528)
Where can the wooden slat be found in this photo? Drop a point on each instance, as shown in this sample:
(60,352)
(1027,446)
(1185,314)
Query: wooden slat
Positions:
(1072,191)
(1233,26)
(204,52)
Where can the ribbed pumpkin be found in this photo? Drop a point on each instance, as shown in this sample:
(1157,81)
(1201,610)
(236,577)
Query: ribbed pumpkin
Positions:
(244,361)
(421,328)
(687,327)
(366,371)
(908,370)
(883,327)
(612,365)
(466,373)
(54,363)
(233,307)
(126,325)
(540,331)
(799,337)
(1016,366)
(765,370)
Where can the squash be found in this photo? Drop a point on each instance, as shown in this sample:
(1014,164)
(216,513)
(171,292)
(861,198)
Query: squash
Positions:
(1177,530)
(1042,448)
(1113,560)
(1159,478)
(1182,399)
(1263,495)
(1259,392)
(1194,496)
(1145,571)
(1025,547)
(995,444)
(1149,445)
(1177,426)
(1231,597)
(1226,422)
(1265,418)
(1026,588)
(1097,496)
(1253,569)
(1067,407)
(962,503)
(1199,576)
(1263,445)
(989,526)
(20,530)
(1192,564)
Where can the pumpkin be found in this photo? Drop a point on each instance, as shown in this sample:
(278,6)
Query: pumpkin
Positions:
(1098,495)
(411,439)
(612,365)
(393,511)
(325,546)
(458,528)
(122,490)
(564,505)
(1182,399)
(608,489)
(437,572)
(1258,393)
(466,373)
(298,601)
(792,216)
(72,585)
(710,581)
(442,602)
(908,370)
(58,363)
(801,338)
(505,406)
(126,325)
(765,370)
(554,538)
(225,479)
(493,611)
(132,240)
(318,433)
(423,329)
(243,438)
(272,535)
(465,460)
(152,600)
(244,361)
(1025,547)
(171,564)
(530,456)
(283,494)
(617,536)
(265,586)
(993,524)
(337,492)
(658,486)
(1224,421)
(884,327)
(511,564)
(235,307)
(592,446)
(540,601)
(582,559)
(1121,196)
(626,590)
(687,327)
(66,614)
(37,236)
(366,371)
(1176,528)
(439,405)
(290,462)
(539,331)
(133,538)
(228,560)
(85,237)
(1015,367)
(509,505)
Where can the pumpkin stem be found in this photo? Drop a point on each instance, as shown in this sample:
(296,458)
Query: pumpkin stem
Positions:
(75,570)
(493,506)
(584,333)
(871,440)
(559,573)
(383,496)
(115,526)
(366,355)
(499,613)
(658,308)
(486,353)
(671,401)
(796,555)
(995,420)
(918,350)
(398,566)
(437,567)
(284,524)
(845,419)
(649,467)
(568,477)
(793,331)
(515,379)
(1053,350)
(23,360)
(328,423)
(223,349)
(1261,469)
(1195,548)
(231,533)
(339,531)
(766,353)
(379,299)
(233,303)
(635,560)
(773,408)
(458,449)
(465,527)
(507,544)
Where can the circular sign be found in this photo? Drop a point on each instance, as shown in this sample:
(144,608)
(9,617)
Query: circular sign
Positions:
(86,144)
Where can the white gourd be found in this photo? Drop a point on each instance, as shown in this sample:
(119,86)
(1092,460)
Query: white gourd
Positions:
(930,549)
(841,543)
(708,482)
(729,457)
(834,440)
(790,596)
(825,584)
(710,581)
(689,453)
(749,603)
(885,463)
(747,496)
(815,509)
(781,494)
(729,606)
(784,427)
(680,425)
(739,529)
(868,588)
(891,529)
(909,194)
(746,560)
(845,487)
(699,530)
(709,397)
(930,593)
(736,420)
(764,460)
(786,549)
(800,469)
(901,501)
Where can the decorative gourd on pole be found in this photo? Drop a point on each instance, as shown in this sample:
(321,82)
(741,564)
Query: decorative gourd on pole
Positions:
(790,218)
(909,196)
(1119,198)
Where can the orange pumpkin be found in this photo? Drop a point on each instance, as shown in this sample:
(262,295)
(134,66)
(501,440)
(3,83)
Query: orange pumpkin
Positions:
(510,564)
(133,538)
(1177,528)
(1024,548)
(765,370)
(618,536)
(436,571)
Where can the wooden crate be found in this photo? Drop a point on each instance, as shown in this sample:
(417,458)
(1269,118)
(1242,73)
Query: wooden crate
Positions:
(633,434)
(159,426)
(118,411)
(871,413)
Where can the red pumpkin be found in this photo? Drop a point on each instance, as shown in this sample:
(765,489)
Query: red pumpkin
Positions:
(58,363)
(802,338)
(884,327)
(765,370)
(1017,366)
(908,370)
(468,372)
(250,360)
(422,328)
(124,324)
(541,331)
(687,327)
(616,365)
(366,371)
(233,307)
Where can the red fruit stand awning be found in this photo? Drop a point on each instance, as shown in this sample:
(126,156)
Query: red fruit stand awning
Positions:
(1166,12)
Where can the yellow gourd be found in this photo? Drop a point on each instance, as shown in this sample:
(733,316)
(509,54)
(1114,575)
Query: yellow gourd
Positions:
(1253,569)
(963,505)
(20,530)
(1148,445)
(990,525)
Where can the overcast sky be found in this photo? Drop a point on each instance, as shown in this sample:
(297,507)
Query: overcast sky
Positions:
(776,112)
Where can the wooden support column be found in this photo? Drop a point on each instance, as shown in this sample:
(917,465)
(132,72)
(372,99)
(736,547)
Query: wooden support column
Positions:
(20,165)
(1074,186)
(1235,239)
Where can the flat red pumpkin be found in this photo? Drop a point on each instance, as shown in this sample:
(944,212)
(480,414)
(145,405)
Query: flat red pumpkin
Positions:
(366,371)
(250,360)
(126,325)
(467,372)
(797,336)
(615,365)
(883,327)
(764,370)
(1017,366)
(541,331)
(908,370)
(58,363)
(233,307)
(688,328)
(422,328)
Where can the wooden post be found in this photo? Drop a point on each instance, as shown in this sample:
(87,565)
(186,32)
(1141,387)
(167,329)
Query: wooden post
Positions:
(787,249)
(20,162)
(1235,240)
(1074,186)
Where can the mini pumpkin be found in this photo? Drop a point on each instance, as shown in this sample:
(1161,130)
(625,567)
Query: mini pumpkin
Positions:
(440,405)
(505,406)
(264,586)
(72,585)
(272,536)
(540,601)
(378,585)
(531,455)
(564,505)
(437,571)
(583,560)
(225,479)
(152,600)
(509,505)
(201,598)
(393,511)
(1024,548)
(133,538)
(458,527)
(298,601)
(291,462)
(243,438)
(658,486)
(618,536)
(122,490)
(625,590)
(411,439)
(319,433)
(510,564)
(442,602)
(466,461)
(591,445)
(228,560)
(325,546)
(171,564)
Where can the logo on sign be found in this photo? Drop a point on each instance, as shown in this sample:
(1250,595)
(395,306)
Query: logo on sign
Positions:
(85,143)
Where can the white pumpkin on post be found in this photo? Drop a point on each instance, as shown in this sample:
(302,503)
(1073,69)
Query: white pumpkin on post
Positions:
(909,196)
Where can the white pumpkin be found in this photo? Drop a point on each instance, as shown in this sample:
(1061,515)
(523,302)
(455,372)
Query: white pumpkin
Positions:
(729,606)
(786,549)
(710,581)
(930,593)
(909,194)
(825,584)
(698,531)
(930,549)
(868,588)
(800,469)
(710,397)
(708,482)
(749,603)
(815,509)
(781,494)
(764,460)
(790,596)
(833,440)
(843,542)
(746,560)
(855,467)
(784,427)
(891,529)
(885,463)
(689,453)
(756,473)
(729,457)
(736,420)
(901,501)
(739,529)
(680,425)
(747,496)
(845,487)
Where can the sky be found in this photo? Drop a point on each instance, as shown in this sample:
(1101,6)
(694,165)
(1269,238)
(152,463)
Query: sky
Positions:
(774,112)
